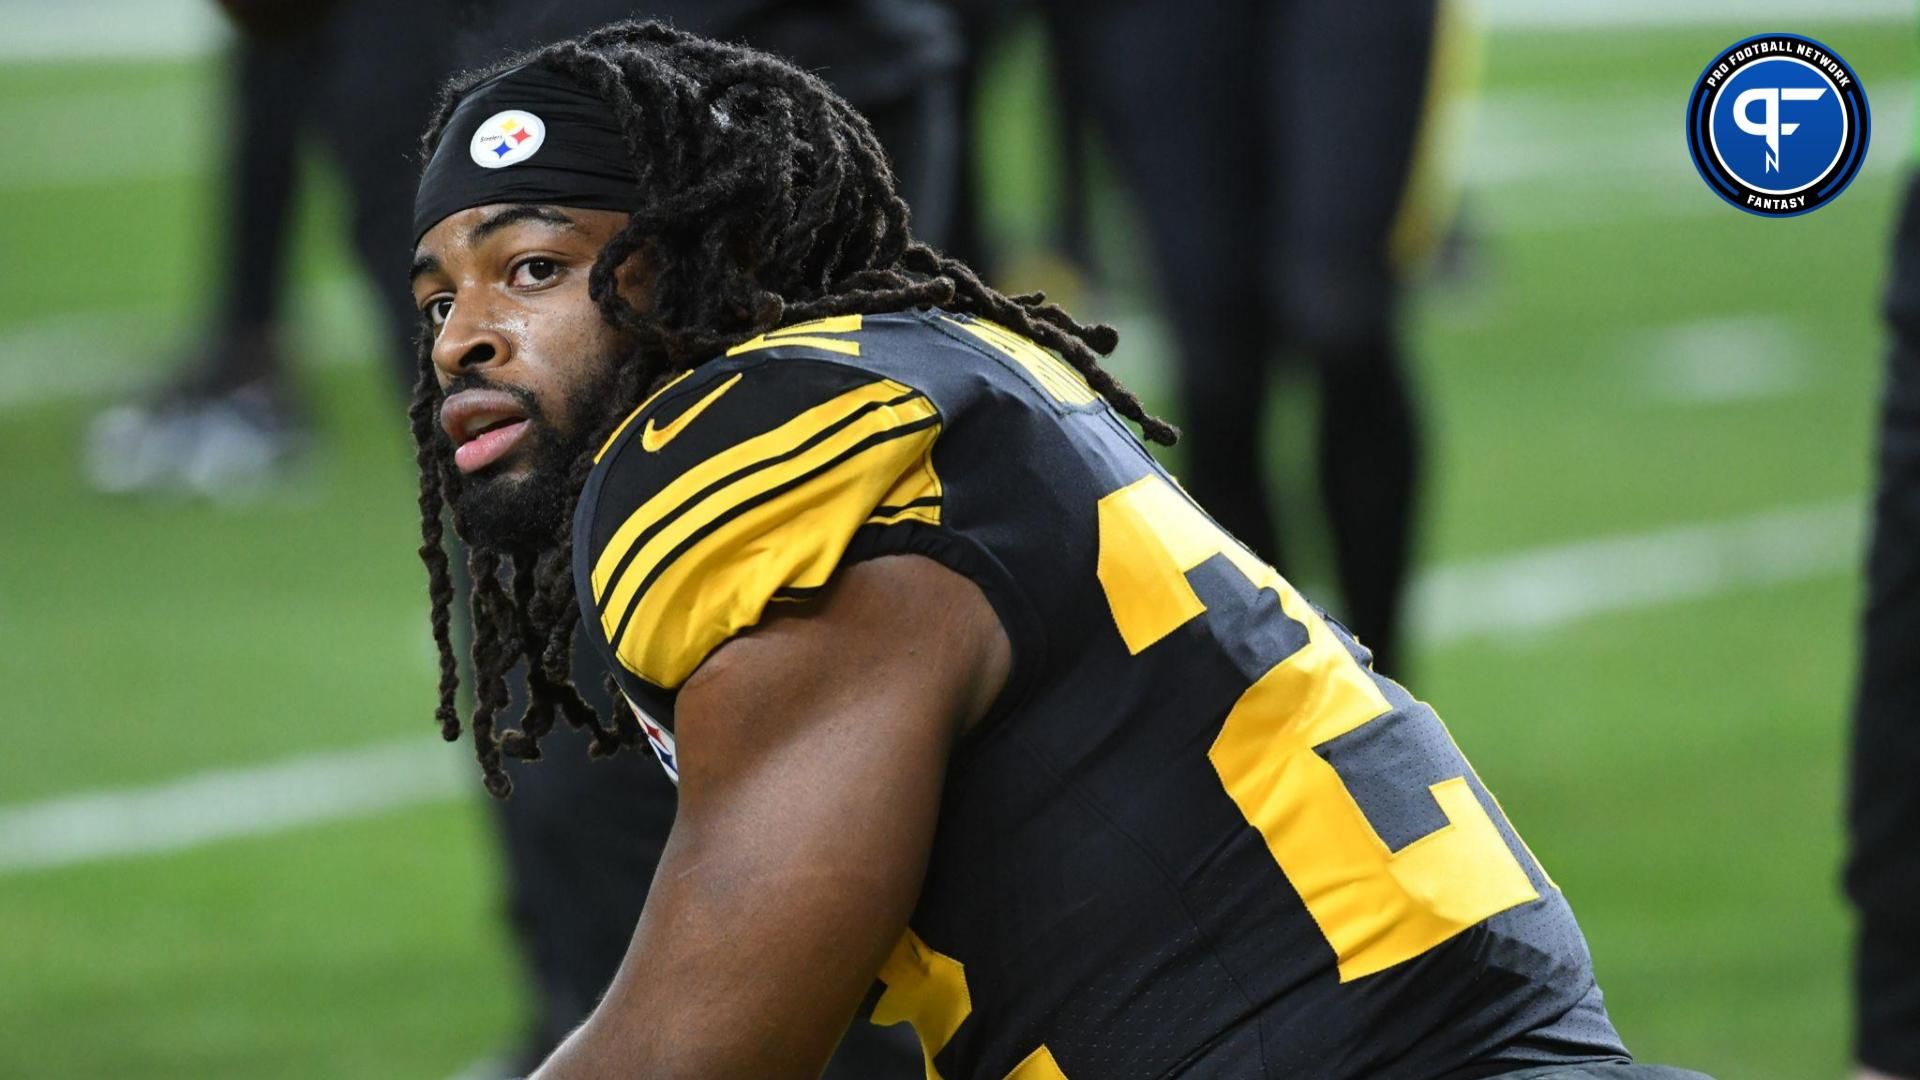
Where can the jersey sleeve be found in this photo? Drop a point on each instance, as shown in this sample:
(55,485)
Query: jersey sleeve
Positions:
(741,485)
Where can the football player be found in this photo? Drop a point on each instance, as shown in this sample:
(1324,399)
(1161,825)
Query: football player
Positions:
(1883,864)
(980,723)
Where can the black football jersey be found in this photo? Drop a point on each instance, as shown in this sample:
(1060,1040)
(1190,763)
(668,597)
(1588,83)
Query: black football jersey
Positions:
(1197,836)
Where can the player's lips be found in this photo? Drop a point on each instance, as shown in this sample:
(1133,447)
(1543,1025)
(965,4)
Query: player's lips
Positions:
(484,425)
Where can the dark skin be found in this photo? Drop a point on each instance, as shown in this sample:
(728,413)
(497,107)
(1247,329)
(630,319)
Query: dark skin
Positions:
(503,288)
(812,748)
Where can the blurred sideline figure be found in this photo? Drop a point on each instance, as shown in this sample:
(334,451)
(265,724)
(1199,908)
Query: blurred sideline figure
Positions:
(1883,868)
(1271,187)
(360,76)
(231,421)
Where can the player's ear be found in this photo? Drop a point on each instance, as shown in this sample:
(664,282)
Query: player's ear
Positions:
(636,278)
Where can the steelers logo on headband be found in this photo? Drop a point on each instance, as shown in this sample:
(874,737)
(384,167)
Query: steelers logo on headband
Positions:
(507,138)
(529,134)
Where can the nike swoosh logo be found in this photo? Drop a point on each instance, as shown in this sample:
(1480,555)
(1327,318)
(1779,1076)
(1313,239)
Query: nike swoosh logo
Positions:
(653,438)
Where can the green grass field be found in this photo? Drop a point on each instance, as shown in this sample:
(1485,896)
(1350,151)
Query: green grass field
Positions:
(1627,355)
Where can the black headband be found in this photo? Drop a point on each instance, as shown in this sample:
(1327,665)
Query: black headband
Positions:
(527,135)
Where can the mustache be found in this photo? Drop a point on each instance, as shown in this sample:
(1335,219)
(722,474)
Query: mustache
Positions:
(475,381)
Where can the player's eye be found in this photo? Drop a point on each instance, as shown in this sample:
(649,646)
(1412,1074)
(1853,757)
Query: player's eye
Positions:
(437,311)
(534,272)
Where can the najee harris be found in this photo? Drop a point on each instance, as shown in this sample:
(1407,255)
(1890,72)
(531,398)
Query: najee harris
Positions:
(979,723)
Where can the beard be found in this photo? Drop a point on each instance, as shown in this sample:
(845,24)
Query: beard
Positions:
(519,511)
(526,509)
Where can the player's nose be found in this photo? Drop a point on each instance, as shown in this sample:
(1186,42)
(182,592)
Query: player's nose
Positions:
(469,340)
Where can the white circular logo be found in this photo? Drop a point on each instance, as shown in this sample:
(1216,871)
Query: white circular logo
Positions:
(507,138)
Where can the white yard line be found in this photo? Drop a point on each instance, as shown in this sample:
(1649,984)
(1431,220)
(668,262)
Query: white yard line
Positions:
(82,354)
(1522,593)
(228,803)
(118,353)
(102,29)
(1505,597)
(118,136)
(1752,356)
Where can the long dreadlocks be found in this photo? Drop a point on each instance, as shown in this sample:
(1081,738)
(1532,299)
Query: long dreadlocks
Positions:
(767,200)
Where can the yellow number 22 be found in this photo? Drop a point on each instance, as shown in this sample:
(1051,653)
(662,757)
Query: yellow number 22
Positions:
(1376,907)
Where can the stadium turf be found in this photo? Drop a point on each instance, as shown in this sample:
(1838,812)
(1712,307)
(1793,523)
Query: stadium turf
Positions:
(1624,353)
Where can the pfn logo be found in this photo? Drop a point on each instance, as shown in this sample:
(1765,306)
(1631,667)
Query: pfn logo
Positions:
(1778,125)
(1771,128)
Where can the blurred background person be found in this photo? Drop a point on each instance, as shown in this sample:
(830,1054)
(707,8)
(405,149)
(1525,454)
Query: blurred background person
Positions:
(1271,192)
(1269,186)
(345,76)
(1883,809)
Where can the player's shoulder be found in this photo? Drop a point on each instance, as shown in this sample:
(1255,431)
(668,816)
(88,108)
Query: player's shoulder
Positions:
(770,399)
(954,358)
(741,483)
(883,376)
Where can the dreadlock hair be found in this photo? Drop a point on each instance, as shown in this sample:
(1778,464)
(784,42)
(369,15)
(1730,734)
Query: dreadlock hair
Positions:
(766,200)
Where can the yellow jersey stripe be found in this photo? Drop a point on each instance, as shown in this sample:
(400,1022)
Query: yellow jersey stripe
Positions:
(917,496)
(669,518)
(785,439)
(1054,375)
(925,509)
(653,549)
(710,574)
(807,333)
(1038,1065)
(835,345)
